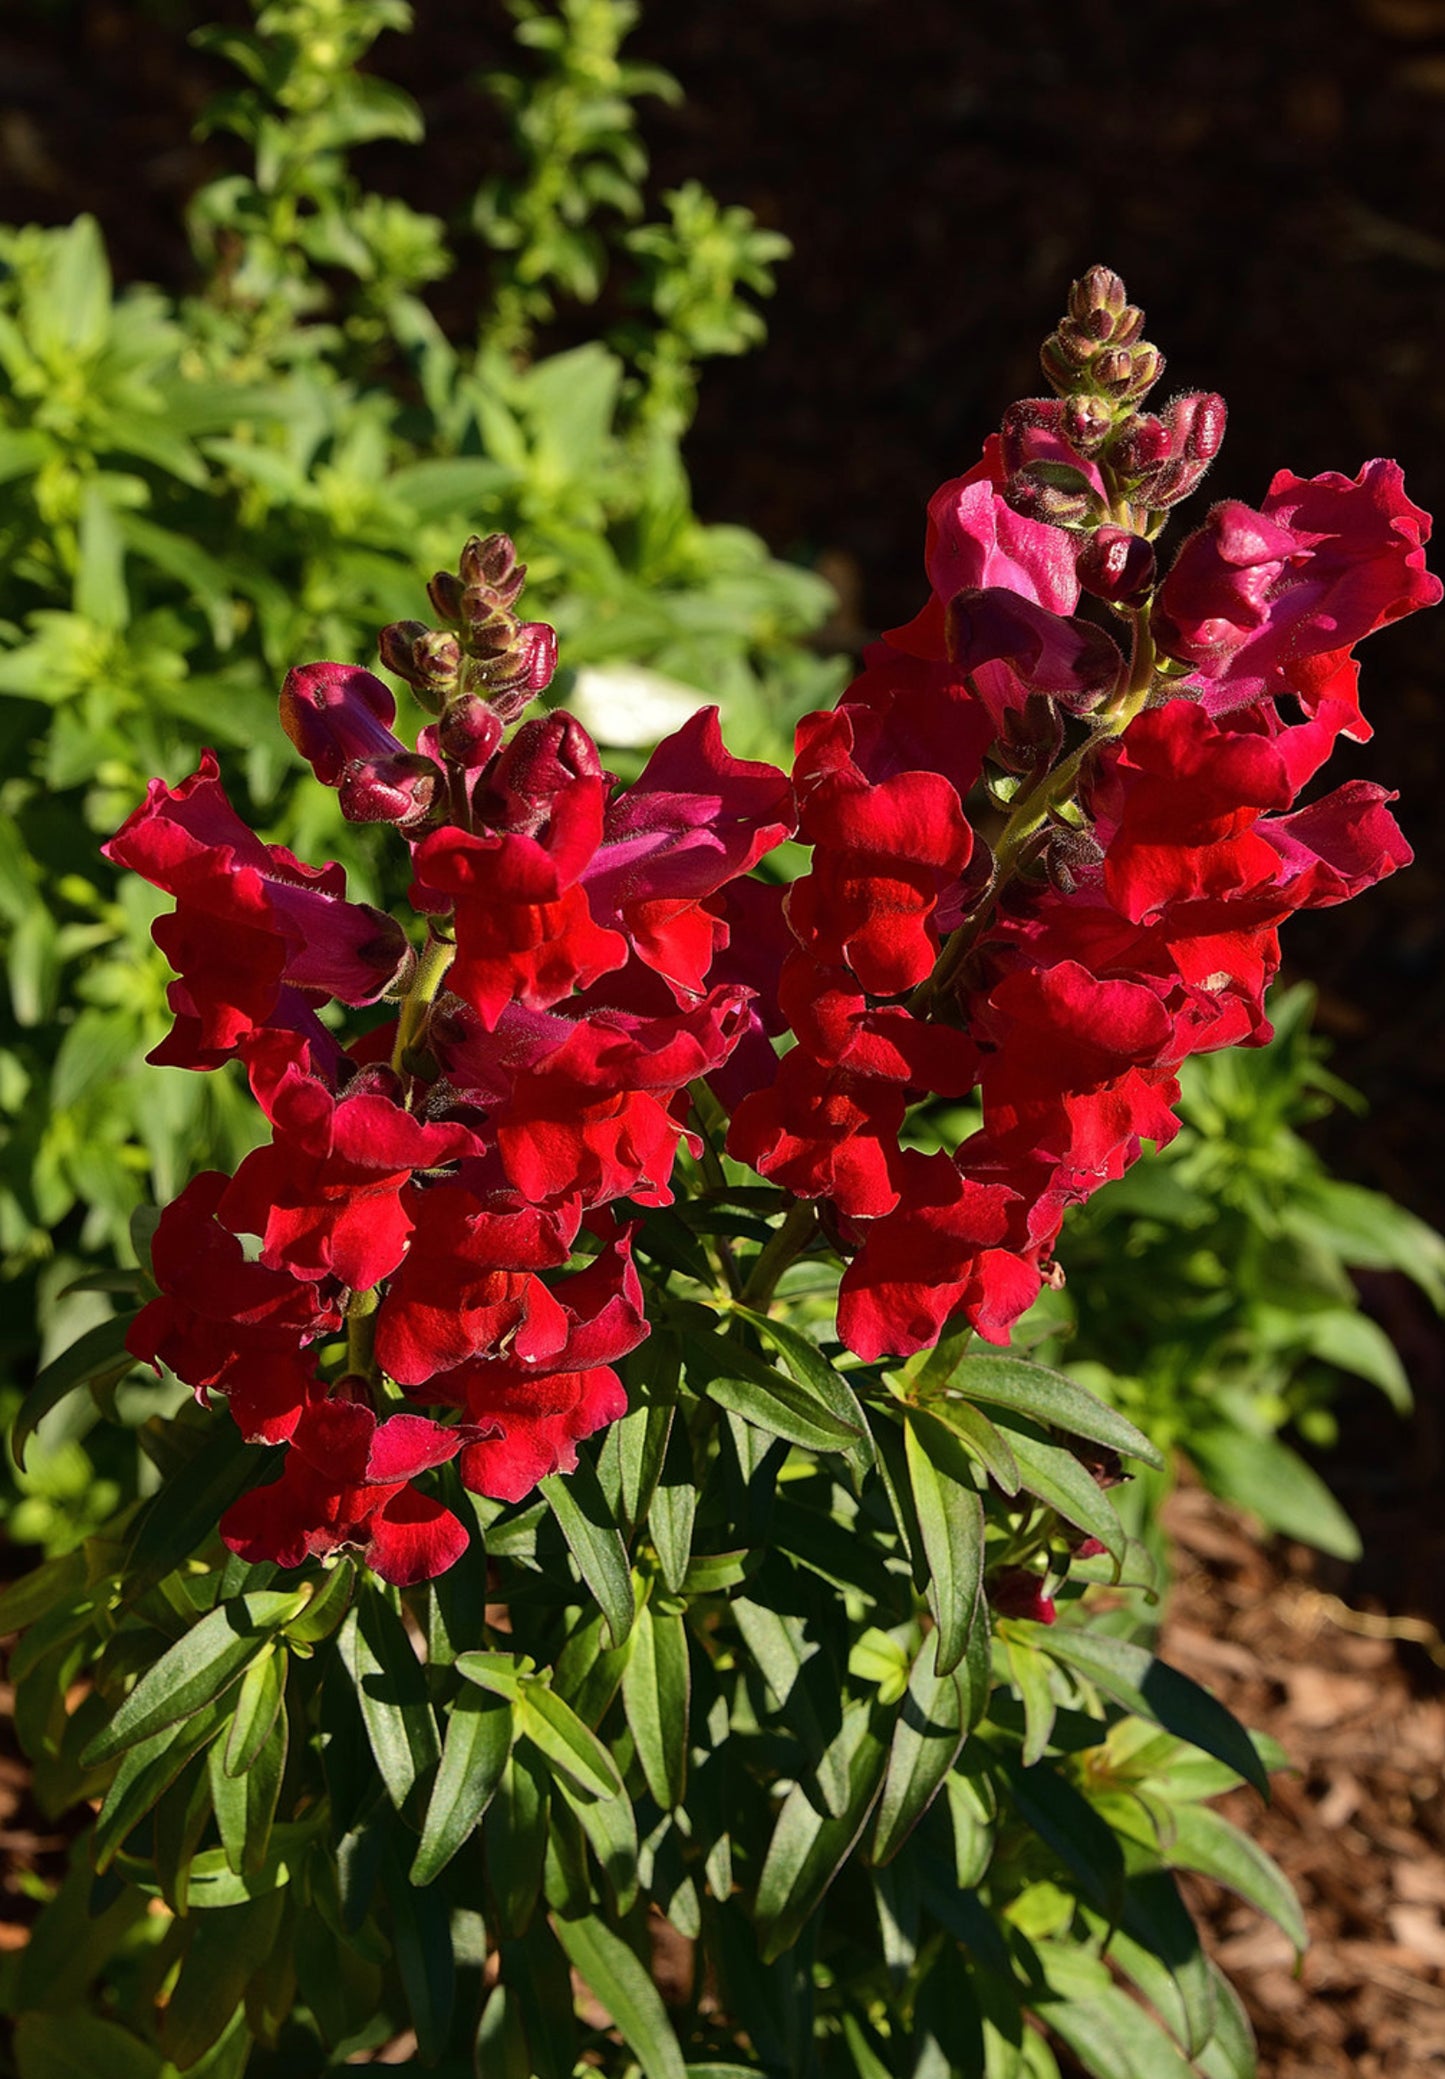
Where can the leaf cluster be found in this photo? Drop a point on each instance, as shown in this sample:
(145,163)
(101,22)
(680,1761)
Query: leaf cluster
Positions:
(737,1674)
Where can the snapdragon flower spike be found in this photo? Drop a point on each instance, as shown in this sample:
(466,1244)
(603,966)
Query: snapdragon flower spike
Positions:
(1131,913)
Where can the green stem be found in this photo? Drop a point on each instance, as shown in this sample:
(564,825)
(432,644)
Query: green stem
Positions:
(361,1334)
(436,957)
(787,1244)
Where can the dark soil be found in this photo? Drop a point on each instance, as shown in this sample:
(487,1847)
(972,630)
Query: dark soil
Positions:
(1359,1828)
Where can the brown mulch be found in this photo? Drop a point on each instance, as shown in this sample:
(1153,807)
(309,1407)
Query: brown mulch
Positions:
(1359,1828)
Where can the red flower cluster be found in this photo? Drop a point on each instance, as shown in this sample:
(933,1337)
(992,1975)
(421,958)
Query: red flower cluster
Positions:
(433,1205)
(431,1225)
(1128,913)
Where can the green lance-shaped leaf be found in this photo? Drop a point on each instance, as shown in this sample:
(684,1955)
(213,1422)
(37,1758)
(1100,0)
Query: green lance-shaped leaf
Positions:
(580,1507)
(40,1591)
(1232,2053)
(626,1990)
(983,1439)
(225,1950)
(656,1688)
(391,1693)
(823,1380)
(927,1735)
(146,1773)
(1050,1398)
(422,1944)
(81,2046)
(810,1846)
(761,1395)
(610,1826)
(1263,1474)
(323,1614)
(479,1735)
(514,1840)
(1053,1474)
(566,1744)
(1113,2038)
(258,1701)
(1030,1673)
(1201,1840)
(245,1805)
(950,1522)
(673,1509)
(1157,1945)
(1153,1690)
(197,1669)
(100,1353)
(536,1975)
(182,1515)
(796,1672)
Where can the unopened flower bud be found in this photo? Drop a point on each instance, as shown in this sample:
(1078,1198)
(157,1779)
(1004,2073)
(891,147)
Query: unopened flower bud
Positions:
(543,757)
(445,593)
(1030,415)
(399,789)
(1143,445)
(1117,565)
(1128,326)
(1148,366)
(531,662)
(491,564)
(337,714)
(1197,422)
(1099,289)
(469,731)
(1054,493)
(396,646)
(1071,854)
(1087,422)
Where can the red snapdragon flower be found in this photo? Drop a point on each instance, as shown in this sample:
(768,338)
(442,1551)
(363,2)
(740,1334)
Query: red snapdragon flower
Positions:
(347,1481)
(255,937)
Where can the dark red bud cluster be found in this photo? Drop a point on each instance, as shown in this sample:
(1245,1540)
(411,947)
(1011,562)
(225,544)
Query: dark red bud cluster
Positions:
(1098,347)
(484,651)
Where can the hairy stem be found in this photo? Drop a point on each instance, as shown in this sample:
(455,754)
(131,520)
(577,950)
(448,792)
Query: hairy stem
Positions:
(436,957)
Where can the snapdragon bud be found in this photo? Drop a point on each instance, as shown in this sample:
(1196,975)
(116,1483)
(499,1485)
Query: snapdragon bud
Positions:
(469,731)
(1014,1592)
(1098,291)
(1053,492)
(1087,421)
(400,789)
(1117,565)
(491,566)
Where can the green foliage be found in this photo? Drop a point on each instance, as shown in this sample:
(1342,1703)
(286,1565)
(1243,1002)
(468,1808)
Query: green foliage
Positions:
(903,1828)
